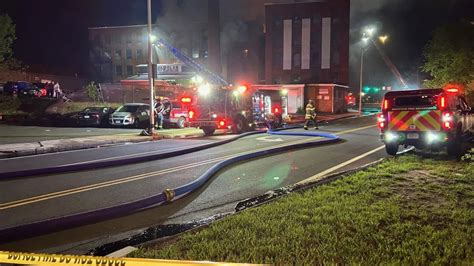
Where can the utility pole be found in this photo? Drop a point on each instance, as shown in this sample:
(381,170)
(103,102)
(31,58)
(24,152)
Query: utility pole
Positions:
(360,79)
(151,78)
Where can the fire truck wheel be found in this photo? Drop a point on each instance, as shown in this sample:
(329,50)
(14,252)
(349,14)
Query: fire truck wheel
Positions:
(239,125)
(208,131)
(454,147)
(391,148)
(181,122)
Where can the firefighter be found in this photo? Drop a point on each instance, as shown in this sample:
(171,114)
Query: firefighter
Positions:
(159,108)
(310,115)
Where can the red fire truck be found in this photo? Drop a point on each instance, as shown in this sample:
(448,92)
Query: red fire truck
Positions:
(234,108)
(428,118)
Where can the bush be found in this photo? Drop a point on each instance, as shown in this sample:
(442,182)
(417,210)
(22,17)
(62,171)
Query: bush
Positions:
(91,91)
(9,105)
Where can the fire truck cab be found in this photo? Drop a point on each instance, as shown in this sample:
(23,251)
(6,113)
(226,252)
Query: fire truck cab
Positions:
(426,119)
(235,108)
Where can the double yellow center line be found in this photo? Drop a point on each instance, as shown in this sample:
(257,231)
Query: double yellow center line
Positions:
(67,192)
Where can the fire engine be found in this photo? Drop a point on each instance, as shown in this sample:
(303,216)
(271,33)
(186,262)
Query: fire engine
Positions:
(426,119)
(235,108)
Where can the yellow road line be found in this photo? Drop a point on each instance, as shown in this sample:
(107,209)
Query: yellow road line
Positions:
(58,194)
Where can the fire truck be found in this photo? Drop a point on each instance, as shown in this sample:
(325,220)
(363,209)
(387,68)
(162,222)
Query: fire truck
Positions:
(427,119)
(235,108)
(216,104)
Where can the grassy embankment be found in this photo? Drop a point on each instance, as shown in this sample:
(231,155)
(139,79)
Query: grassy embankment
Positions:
(41,106)
(407,210)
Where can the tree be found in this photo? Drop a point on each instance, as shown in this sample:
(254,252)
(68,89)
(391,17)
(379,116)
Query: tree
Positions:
(449,56)
(7,36)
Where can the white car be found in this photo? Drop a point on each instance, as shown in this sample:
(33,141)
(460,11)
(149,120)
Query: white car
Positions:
(131,114)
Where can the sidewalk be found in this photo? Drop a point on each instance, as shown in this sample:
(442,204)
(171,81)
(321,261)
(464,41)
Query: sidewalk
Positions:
(48,146)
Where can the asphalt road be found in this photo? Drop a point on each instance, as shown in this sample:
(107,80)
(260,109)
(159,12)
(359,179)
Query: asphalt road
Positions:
(44,197)
(21,134)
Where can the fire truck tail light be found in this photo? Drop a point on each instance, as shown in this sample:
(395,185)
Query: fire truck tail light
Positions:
(385,105)
(222,123)
(277,110)
(447,119)
(442,102)
(447,116)
(381,121)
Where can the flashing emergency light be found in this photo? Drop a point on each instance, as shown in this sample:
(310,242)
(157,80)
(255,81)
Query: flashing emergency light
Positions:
(453,90)
(242,89)
(204,89)
(191,114)
(185,99)
(277,110)
(284,92)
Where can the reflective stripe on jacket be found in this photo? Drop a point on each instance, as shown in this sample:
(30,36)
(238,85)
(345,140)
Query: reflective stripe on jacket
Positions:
(310,111)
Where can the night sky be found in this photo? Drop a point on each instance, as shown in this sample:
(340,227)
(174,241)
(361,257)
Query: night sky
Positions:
(52,34)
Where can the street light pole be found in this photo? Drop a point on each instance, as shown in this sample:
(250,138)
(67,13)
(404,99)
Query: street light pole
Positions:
(150,72)
(360,79)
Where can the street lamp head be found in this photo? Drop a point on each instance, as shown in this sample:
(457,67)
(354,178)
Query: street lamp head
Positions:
(370,31)
(383,38)
(152,38)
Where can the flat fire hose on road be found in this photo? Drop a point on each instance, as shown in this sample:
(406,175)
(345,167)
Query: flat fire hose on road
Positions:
(168,195)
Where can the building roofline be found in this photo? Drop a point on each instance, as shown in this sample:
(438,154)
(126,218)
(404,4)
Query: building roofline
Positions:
(293,3)
(119,27)
(328,84)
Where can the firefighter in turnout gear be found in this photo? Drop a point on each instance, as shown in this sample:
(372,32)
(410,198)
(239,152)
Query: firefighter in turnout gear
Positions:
(310,115)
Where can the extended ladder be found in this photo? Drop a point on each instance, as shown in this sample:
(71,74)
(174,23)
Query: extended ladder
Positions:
(200,69)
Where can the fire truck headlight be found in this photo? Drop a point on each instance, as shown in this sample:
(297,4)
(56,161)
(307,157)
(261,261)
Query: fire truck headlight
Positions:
(390,137)
(432,137)
(204,89)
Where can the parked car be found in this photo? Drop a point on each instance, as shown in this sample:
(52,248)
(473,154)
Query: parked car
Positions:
(42,87)
(93,116)
(130,114)
(21,88)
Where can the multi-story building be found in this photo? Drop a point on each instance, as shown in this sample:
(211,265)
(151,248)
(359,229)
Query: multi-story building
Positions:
(308,43)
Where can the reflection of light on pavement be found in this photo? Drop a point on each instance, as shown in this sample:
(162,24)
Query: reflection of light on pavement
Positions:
(47,130)
(276,178)
(88,130)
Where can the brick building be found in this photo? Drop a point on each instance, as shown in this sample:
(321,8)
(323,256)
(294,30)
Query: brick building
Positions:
(308,43)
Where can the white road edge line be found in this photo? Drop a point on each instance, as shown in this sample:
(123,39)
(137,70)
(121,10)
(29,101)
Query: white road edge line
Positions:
(334,168)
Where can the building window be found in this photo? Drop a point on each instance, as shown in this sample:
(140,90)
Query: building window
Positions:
(128,54)
(118,54)
(117,38)
(107,39)
(139,54)
(296,60)
(128,38)
(129,71)
(118,70)
(97,39)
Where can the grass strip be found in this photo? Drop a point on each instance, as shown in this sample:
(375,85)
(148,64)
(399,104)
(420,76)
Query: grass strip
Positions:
(407,210)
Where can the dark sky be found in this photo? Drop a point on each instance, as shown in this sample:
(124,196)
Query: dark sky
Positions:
(54,32)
